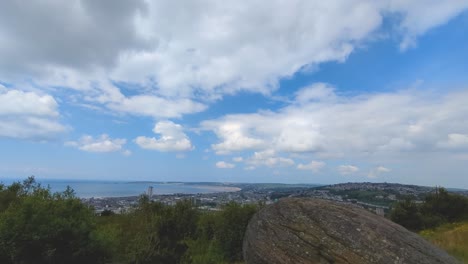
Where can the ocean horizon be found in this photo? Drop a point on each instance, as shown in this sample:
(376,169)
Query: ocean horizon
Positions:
(121,188)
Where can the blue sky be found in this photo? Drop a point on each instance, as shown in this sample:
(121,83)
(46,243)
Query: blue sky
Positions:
(285,91)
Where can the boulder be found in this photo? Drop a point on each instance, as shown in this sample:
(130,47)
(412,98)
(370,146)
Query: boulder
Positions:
(303,230)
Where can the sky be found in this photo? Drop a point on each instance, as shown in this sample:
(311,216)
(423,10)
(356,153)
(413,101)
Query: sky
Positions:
(235,91)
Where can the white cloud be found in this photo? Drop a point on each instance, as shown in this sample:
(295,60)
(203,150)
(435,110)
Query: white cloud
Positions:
(15,102)
(315,92)
(376,172)
(234,135)
(238,159)
(156,106)
(405,121)
(347,169)
(210,50)
(224,47)
(28,115)
(418,16)
(126,153)
(455,141)
(314,166)
(101,144)
(172,138)
(268,158)
(224,165)
(2,88)
(53,33)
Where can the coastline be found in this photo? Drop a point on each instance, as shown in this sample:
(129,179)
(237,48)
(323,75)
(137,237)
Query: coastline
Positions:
(211,190)
(85,189)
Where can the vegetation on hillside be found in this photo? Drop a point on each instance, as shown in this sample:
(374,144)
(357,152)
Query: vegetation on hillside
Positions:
(442,217)
(439,207)
(367,196)
(37,226)
(451,237)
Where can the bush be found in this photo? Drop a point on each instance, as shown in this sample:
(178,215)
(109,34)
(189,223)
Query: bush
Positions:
(451,237)
(156,233)
(37,226)
(439,207)
(220,235)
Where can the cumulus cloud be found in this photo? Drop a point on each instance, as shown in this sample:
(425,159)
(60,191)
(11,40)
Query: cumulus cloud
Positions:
(405,121)
(268,158)
(376,172)
(419,16)
(347,169)
(101,144)
(224,165)
(234,135)
(314,166)
(210,50)
(224,47)
(38,34)
(455,141)
(156,106)
(172,138)
(315,92)
(28,115)
(174,67)
(15,102)
(238,159)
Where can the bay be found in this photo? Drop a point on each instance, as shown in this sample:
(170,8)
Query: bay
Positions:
(96,189)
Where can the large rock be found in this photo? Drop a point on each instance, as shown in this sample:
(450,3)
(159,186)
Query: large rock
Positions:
(318,231)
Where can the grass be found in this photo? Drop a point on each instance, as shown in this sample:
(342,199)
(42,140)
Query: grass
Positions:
(453,238)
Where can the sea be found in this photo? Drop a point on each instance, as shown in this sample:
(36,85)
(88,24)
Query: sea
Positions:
(100,189)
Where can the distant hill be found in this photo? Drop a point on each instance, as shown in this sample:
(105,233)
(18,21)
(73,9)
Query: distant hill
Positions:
(365,193)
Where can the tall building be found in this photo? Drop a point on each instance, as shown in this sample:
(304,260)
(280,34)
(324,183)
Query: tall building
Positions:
(149,192)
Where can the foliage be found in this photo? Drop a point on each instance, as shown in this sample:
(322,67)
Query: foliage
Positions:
(220,235)
(450,207)
(37,226)
(155,233)
(107,213)
(451,237)
(202,251)
(438,208)
(230,229)
(407,214)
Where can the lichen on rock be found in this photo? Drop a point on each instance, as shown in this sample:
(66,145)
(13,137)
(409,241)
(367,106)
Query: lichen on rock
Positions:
(301,230)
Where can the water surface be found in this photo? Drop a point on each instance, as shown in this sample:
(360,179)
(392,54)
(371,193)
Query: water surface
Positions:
(87,189)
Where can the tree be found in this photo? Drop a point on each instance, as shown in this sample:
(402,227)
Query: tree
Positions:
(157,233)
(37,226)
(451,207)
(220,235)
(439,207)
(407,214)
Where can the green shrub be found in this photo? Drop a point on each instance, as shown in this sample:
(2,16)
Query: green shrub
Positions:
(438,208)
